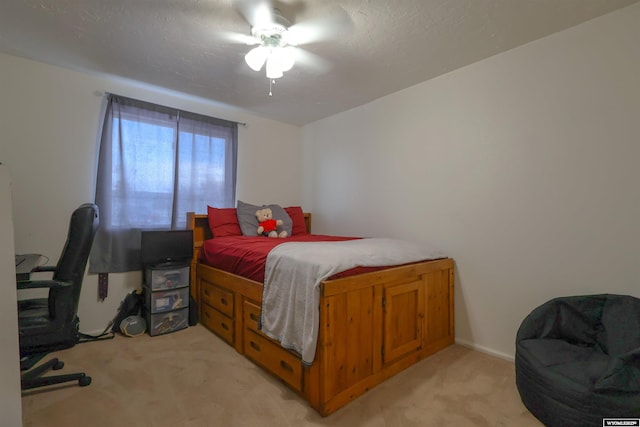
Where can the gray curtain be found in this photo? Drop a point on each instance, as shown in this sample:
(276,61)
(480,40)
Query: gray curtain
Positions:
(157,163)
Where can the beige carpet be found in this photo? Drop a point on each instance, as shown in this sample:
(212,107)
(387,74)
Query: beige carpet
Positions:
(191,378)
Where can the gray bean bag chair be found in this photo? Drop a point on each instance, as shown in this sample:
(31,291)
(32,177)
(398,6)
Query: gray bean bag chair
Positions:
(578,360)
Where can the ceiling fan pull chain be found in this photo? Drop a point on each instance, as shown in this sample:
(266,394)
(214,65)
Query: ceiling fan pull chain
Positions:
(271,83)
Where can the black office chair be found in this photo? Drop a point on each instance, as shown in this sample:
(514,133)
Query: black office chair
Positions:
(51,324)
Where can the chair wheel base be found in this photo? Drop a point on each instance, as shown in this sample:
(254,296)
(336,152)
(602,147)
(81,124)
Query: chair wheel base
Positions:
(35,377)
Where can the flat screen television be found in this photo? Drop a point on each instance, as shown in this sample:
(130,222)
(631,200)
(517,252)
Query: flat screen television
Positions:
(165,247)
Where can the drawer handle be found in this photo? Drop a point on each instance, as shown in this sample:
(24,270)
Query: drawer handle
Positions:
(284,365)
(253,317)
(206,292)
(206,313)
(255,346)
(224,326)
(223,301)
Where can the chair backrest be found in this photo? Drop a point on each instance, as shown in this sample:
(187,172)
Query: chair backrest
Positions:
(621,324)
(73,260)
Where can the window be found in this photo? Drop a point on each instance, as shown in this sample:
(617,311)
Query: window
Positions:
(156,164)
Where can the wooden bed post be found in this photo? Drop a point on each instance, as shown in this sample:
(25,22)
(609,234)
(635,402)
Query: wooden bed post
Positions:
(199,224)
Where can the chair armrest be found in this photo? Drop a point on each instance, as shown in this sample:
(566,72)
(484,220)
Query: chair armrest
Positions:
(36,284)
(42,268)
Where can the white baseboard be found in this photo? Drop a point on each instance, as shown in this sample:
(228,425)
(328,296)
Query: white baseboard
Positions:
(485,350)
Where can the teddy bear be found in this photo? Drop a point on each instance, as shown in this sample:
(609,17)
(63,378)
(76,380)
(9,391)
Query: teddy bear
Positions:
(267,226)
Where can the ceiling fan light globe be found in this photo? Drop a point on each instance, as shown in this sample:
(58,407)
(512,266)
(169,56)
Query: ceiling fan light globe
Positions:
(273,69)
(256,57)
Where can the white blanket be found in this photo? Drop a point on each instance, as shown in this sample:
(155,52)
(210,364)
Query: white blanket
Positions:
(294,271)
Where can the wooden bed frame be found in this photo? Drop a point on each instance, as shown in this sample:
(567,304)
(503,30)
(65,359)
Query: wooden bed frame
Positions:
(372,325)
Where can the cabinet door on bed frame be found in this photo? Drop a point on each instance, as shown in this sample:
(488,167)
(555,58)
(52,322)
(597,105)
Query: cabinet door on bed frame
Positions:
(403,314)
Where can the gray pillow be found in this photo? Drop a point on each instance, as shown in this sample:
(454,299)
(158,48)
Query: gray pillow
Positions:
(247,218)
(249,223)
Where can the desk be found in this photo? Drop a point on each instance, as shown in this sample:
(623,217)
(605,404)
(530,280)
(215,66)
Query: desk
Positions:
(25,264)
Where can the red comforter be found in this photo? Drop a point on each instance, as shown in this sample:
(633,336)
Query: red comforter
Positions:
(246,256)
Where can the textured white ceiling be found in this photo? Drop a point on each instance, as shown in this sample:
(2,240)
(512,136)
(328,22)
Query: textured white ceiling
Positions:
(183,45)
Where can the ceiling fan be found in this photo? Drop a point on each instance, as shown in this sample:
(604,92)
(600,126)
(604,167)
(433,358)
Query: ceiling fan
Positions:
(277,40)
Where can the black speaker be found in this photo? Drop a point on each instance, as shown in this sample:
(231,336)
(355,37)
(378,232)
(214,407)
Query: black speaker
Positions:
(193,312)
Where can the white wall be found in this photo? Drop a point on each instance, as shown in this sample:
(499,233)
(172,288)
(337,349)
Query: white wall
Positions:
(49,118)
(522,167)
(10,398)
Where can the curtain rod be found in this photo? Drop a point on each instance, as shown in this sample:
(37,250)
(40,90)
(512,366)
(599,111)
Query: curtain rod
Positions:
(102,94)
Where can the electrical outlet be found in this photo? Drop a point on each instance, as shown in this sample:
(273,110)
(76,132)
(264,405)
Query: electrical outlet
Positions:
(103,285)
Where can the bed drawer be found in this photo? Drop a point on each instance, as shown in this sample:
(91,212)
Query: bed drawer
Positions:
(218,323)
(274,358)
(251,315)
(218,298)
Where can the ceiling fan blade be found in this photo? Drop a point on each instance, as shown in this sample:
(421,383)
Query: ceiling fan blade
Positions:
(238,38)
(258,13)
(311,61)
(333,23)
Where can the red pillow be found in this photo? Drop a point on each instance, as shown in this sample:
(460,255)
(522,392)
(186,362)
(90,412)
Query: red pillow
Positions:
(297,216)
(223,222)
